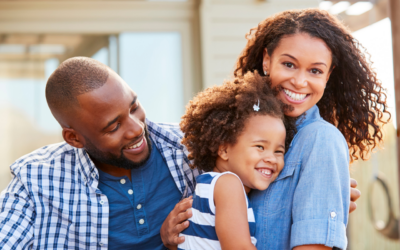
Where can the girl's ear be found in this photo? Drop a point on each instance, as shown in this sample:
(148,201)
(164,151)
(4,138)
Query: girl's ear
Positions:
(223,152)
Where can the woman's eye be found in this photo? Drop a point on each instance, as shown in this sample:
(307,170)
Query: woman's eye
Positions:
(115,129)
(289,65)
(316,71)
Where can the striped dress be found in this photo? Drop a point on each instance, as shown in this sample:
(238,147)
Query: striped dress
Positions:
(201,232)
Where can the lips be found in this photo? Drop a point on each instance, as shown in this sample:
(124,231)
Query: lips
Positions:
(266,172)
(294,97)
(136,147)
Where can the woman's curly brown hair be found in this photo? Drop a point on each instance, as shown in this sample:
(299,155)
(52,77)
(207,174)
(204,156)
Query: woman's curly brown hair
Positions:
(354,99)
(218,115)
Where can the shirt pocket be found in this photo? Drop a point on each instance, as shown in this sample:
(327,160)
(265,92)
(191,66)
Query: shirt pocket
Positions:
(281,191)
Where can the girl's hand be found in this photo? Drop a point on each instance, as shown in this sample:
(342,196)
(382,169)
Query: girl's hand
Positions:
(354,195)
(175,223)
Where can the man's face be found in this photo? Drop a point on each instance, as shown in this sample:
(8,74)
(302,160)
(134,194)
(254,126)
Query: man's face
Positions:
(112,122)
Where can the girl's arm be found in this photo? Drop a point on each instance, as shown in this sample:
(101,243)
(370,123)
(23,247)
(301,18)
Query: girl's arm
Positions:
(312,247)
(231,222)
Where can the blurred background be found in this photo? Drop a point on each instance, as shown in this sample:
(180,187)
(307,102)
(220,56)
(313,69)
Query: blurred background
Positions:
(167,51)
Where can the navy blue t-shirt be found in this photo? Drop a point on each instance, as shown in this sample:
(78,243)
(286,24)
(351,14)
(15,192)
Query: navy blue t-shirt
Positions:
(138,208)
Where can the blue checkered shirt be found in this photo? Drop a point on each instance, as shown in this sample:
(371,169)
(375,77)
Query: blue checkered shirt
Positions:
(53,201)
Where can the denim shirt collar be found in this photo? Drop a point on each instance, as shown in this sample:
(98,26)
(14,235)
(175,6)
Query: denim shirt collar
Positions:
(308,117)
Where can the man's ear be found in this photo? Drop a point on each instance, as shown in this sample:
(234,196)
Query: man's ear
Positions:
(71,137)
(223,152)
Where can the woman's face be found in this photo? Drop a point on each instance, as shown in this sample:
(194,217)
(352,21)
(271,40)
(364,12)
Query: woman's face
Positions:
(300,65)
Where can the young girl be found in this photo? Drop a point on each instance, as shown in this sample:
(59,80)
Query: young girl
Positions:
(227,137)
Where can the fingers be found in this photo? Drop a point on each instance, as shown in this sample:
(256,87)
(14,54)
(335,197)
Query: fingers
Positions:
(353,206)
(353,183)
(183,205)
(355,194)
(183,216)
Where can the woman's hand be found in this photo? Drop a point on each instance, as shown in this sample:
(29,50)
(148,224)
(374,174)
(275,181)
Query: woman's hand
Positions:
(354,195)
(175,223)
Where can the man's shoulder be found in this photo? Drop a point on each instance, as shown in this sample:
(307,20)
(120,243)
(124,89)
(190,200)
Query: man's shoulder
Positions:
(169,133)
(46,155)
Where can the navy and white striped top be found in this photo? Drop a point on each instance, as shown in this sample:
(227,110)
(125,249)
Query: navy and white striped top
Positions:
(201,232)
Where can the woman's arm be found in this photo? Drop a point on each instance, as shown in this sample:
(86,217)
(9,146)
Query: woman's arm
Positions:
(231,222)
(321,199)
(312,247)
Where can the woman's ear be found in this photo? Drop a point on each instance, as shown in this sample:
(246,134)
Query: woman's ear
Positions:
(223,152)
(266,62)
(71,137)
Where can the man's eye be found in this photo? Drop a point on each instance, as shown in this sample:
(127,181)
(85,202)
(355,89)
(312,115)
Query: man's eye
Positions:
(134,108)
(116,128)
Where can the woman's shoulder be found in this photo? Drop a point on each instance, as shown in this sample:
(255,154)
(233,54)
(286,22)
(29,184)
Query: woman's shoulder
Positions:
(320,130)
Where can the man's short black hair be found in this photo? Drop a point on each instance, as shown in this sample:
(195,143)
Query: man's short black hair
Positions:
(75,76)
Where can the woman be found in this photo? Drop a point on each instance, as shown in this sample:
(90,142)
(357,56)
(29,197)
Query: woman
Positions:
(317,67)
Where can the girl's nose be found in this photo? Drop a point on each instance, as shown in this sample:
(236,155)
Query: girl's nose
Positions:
(270,158)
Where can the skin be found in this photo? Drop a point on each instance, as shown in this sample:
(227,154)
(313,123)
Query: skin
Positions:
(301,64)
(258,148)
(112,119)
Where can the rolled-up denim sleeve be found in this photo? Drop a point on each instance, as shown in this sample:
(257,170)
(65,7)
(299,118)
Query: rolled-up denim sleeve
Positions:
(322,197)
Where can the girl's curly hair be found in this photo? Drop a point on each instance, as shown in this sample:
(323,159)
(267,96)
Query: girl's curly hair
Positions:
(354,99)
(218,115)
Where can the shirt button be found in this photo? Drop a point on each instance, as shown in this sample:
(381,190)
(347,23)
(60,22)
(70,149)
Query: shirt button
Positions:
(141,221)
(130,191)
(94,175)
(101,244)
(333,215)
(122,181)
(139,206)
(101,202)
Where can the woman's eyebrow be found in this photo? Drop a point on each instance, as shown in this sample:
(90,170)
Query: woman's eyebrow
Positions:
(294,58)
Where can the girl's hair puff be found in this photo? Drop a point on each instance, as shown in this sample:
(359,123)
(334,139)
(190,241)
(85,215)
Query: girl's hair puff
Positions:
(218,115)
(354,99)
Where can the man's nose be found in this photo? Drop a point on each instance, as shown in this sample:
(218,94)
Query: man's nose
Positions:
(135,128)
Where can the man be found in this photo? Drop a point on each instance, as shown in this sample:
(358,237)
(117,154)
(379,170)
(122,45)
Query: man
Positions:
(113,181)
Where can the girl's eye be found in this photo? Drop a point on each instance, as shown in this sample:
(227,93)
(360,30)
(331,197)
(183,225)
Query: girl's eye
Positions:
(115,129)
(260,147)
(279,152)
(289,65)
(316,71)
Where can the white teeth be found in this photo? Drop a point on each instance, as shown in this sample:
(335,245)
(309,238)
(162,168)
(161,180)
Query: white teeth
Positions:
(136,145)
(294,96)
(266,171)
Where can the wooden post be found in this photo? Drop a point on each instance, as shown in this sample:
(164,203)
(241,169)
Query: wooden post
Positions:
(394,10)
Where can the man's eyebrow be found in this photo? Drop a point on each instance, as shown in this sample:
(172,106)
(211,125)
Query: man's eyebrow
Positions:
(116,118)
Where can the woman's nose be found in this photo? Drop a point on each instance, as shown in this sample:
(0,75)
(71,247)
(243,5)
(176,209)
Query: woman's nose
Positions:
(299,80)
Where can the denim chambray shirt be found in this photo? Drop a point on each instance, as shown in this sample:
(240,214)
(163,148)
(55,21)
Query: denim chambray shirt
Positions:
(309,201)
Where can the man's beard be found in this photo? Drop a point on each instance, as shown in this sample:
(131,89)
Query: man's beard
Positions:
(114,160)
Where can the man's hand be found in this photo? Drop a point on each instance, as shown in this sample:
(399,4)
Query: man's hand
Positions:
(175,223)
(354,195)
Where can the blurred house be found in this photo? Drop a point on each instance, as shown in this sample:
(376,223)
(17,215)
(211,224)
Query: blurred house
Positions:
(167,51)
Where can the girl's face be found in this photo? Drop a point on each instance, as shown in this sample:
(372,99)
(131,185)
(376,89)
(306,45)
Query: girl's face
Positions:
(300,65)
(257,156)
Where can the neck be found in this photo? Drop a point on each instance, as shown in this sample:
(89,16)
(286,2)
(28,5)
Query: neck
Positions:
(112,170)
(223,166)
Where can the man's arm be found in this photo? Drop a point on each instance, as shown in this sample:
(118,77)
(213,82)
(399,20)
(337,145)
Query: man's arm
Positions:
(175,223)
(16,217)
